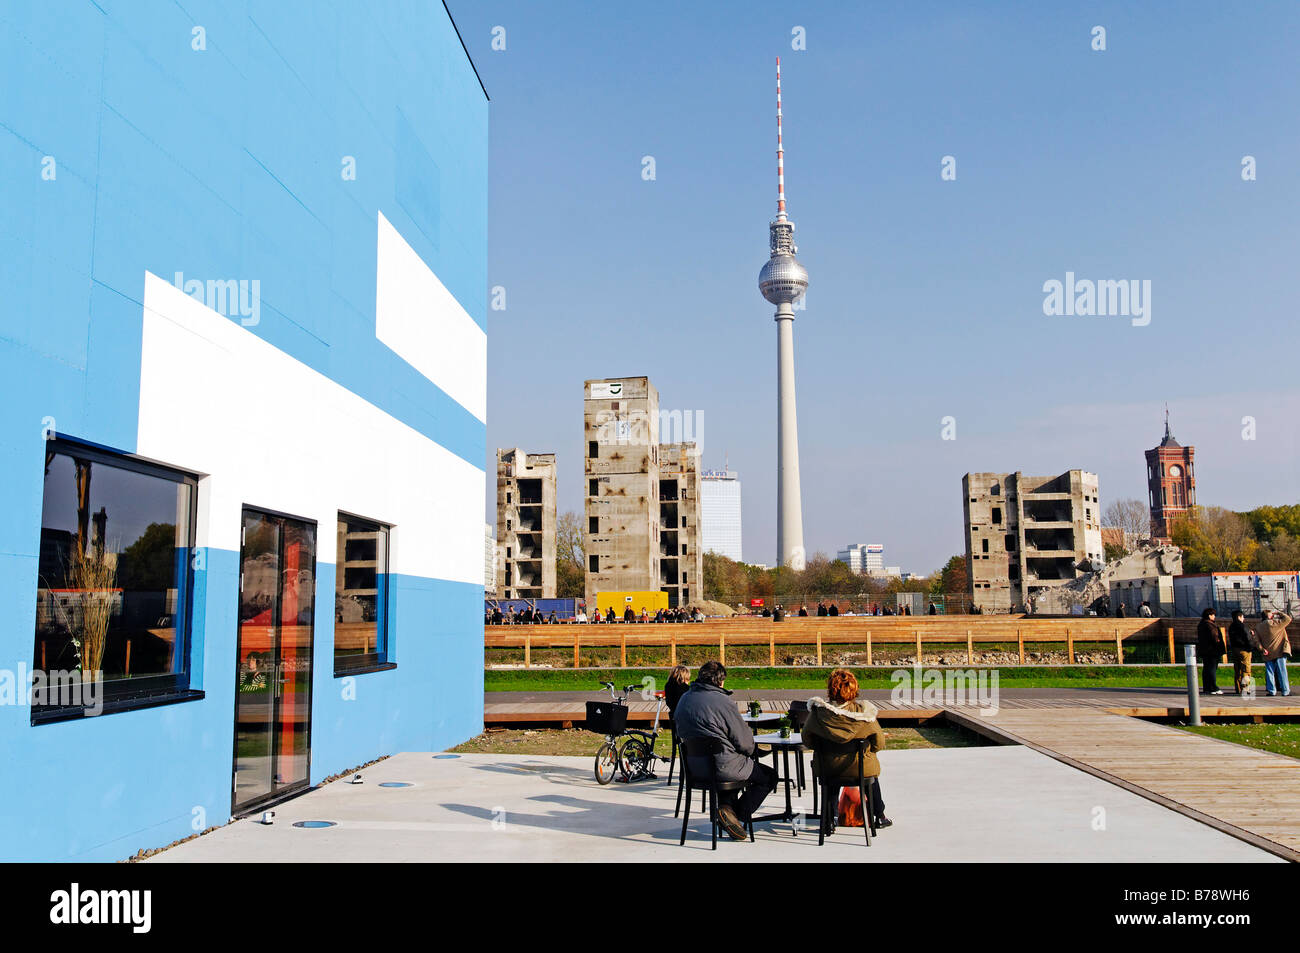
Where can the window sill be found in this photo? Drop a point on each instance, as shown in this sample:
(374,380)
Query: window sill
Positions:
(112,706)
(364,669)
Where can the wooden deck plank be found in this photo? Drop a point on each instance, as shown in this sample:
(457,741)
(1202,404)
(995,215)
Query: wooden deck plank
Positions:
(1242,791)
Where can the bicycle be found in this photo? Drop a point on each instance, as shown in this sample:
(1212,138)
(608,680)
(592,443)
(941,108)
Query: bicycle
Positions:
(634,758)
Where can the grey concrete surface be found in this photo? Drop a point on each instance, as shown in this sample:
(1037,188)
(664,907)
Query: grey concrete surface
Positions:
(949,805)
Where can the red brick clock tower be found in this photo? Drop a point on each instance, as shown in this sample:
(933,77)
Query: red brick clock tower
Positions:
(1171,483)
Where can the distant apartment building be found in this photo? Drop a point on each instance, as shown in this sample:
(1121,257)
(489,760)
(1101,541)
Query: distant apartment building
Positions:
(525,567)
(720,513)
(489,560)
(864,558)
(643,498)
(1026,534)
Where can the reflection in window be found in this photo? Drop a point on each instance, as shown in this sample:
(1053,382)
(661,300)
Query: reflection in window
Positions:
(361,594)
(113,572)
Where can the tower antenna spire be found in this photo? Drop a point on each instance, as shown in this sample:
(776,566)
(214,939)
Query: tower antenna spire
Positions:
(780,150)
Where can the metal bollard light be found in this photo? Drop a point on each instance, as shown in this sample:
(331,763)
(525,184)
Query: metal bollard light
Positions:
(1193,693)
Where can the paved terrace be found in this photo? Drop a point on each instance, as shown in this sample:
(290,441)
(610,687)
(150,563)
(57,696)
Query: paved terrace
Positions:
(948,805)
(1240,791)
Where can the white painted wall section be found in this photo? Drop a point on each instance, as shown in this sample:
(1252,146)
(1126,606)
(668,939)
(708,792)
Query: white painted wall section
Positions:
(274,433)
(425,325)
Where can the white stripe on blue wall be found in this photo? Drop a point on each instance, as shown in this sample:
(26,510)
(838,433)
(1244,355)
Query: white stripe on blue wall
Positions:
(272,432)
(425,325)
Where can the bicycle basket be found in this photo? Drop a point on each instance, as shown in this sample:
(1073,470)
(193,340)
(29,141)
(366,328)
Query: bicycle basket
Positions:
(606,718)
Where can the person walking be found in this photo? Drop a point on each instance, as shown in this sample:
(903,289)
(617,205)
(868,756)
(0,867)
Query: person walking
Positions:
(1209,645)
(1276,649)
(1144,610)
(1241,645)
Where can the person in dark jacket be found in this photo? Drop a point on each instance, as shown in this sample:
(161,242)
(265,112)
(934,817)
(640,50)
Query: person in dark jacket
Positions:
(834,610)
(1241,645)
(1210,647)
(1120,611)
(838,718)
(707,710)
(679,681)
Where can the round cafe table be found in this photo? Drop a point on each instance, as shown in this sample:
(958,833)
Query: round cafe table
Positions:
(781,748)
(762,718)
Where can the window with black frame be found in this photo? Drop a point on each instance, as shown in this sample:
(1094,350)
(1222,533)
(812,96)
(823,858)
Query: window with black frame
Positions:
(361,596)
(113,580)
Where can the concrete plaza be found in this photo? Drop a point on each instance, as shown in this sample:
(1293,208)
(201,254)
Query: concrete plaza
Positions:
(1009,804)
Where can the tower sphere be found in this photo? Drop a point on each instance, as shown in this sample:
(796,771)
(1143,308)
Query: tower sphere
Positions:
(783,280)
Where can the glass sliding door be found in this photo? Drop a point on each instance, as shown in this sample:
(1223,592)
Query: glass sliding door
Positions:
(277,573)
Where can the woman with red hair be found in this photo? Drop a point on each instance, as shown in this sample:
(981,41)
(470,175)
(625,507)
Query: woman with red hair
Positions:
(838,718)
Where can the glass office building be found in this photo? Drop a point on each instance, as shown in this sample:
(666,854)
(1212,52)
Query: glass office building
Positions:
(720,513)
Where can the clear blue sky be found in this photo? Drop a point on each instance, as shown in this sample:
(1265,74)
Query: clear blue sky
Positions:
(926,296)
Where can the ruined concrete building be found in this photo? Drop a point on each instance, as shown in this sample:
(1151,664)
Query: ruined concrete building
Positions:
(642,501)
(1027,534)
(525,525)
(681,557)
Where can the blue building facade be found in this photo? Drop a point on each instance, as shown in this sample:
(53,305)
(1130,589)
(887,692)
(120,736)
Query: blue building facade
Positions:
(243,250)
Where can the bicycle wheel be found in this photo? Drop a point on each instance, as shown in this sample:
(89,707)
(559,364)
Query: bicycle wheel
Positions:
(634,758)
(606,762)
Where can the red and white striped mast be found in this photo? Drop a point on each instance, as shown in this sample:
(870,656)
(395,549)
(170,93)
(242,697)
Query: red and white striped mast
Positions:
(780,151)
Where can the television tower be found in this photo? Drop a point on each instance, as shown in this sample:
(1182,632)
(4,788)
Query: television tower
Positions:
(783,281)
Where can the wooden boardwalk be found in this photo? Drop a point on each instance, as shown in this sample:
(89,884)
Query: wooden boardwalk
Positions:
(1253,795)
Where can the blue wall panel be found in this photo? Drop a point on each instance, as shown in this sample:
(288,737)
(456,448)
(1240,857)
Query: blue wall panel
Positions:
(223,163)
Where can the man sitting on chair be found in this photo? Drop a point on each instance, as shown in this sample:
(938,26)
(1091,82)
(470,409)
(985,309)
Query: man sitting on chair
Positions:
(708,711)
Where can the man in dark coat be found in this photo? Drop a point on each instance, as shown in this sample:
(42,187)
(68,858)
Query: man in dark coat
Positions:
(1210,647)
(707,710)
(1242,644)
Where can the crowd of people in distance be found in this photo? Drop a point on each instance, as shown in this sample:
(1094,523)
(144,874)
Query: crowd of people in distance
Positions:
(530,615)
(705,709)
(1268,638)
(832,609)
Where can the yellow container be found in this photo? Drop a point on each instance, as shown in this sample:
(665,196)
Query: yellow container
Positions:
(651,601)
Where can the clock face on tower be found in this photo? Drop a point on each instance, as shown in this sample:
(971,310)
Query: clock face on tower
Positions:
(1175,470)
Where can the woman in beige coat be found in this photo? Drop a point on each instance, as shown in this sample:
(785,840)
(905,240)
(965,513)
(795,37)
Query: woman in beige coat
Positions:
(841,717)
